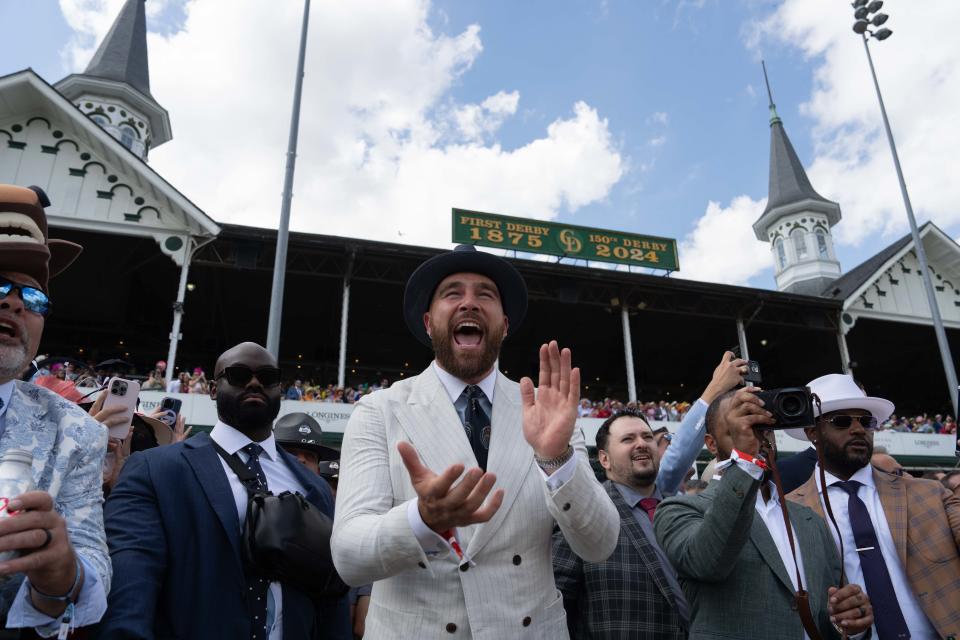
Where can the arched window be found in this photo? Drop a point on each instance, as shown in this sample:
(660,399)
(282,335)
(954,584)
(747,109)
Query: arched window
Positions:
(781,253)
(100,119)
(822,244)
(127,136)
(799,242)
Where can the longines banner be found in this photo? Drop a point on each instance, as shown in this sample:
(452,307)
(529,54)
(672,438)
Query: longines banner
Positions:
(571,241)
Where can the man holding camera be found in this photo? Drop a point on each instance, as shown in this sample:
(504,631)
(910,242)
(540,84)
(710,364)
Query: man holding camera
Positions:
(900,535)
(53,533)
(731,544)
(175,517)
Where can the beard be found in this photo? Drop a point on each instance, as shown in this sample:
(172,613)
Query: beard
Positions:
(843,458)
(465,366)
(244,418)
(14,358)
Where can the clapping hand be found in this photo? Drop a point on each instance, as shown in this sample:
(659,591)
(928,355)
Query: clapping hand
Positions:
(444,505)
(550,413)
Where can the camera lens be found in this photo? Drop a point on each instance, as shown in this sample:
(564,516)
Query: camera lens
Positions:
(792,405)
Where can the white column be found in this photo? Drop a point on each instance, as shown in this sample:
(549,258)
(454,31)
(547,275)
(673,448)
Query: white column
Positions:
(628,355)
(844,352)
(344,317)
(178,310)
(742,338)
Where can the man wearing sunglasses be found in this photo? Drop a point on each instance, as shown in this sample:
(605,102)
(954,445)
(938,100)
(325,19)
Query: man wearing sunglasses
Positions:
(174,522)
(900,534)
(58,532)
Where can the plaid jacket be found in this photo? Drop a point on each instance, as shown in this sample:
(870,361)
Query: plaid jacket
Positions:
(924,519)
(626,596)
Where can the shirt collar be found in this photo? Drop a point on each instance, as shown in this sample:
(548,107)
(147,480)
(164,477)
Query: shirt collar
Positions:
(455,386)
(233,440)
(6,391)
(632,497)
(864,476)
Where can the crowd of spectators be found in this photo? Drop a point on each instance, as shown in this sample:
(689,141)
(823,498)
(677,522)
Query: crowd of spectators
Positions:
(922,424)
(660,411)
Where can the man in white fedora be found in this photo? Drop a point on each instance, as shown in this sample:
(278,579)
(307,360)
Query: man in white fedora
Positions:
(900,535)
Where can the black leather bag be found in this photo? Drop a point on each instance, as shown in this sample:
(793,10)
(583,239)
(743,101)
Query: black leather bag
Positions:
(285,538)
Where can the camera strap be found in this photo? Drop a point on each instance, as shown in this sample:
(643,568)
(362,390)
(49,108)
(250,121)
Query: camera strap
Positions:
(801,597)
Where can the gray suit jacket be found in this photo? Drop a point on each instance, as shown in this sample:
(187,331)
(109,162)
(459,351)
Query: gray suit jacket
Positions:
(731,571)
(509,592)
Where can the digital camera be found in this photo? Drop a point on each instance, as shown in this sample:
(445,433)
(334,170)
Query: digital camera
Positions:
(792,407)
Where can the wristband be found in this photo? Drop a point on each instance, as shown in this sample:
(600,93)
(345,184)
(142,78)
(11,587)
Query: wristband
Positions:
(69,595)
(746,457)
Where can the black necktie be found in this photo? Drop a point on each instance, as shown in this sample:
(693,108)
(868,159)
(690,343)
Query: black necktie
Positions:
(257,587)
(476,423)
(888,618)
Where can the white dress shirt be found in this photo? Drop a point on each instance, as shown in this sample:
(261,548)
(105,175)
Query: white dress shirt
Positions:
(917,622)
(429,540)
(279,479)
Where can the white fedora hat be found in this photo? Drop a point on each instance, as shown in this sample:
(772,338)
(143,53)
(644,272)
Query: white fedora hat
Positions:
(839,391)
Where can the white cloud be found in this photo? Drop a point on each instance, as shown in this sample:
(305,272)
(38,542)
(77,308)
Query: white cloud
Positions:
(659,117)
(722,247)
(920,78)
(384,151)
(657,141)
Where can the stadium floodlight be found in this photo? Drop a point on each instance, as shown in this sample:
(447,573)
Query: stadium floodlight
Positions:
(861,13)
(860,27)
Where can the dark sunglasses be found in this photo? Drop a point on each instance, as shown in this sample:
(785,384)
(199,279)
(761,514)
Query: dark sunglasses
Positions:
(844,422)
(33,299)
(239,375)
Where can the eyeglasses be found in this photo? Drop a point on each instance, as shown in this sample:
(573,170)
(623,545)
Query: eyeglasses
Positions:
(843,422)
(33,299)
(240,375)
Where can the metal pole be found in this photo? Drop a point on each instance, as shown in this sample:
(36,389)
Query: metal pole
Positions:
(945,355)
(344,316)
(628,355)
(283,231)
(844,351)
(742,339)
(178,311)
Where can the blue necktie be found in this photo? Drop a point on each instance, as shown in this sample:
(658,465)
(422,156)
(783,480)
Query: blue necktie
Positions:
(476,423)
(888,619)
(259,599)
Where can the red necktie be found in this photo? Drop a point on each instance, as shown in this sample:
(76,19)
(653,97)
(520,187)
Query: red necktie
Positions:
(649,505)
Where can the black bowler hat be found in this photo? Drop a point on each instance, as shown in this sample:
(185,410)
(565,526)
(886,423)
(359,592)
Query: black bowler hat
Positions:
(463,259)
(301,431)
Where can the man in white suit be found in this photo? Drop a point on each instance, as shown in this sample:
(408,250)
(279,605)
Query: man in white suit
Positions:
(467,558)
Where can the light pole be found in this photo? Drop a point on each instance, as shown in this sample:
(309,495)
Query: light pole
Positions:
(867,14)
(283,231)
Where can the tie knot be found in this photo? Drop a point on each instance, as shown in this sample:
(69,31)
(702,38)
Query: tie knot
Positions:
(474,392)
(850,486)
(253,450)
(648,503)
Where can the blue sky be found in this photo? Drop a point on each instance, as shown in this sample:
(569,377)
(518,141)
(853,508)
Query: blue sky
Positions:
(680,114)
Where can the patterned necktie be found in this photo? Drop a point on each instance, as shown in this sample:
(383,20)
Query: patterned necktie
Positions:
(476,423)
(257,588)
(888,618)
(649,505)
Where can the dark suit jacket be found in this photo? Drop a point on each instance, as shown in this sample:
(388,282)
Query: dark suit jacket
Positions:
(625,596)
(174,539)
(797,469)
(924,520)
(731,570)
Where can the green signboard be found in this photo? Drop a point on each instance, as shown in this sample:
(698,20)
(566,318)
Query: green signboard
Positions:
(571,241)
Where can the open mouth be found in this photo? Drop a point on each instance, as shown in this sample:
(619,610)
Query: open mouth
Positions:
(9,329)
(641,457)
(468,333)
(16,227)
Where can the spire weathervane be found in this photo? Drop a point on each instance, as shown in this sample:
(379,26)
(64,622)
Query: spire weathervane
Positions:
(774,118)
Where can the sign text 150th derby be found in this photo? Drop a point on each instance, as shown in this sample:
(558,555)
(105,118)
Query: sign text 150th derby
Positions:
(537,236)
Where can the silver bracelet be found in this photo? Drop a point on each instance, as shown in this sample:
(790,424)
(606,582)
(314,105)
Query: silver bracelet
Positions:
(554,463)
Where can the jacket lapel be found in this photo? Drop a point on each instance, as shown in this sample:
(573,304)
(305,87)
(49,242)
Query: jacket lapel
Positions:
(634,533)
(432,425)
(511,457)
(893,497)
(763,541)
(808,495)
(205,462)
